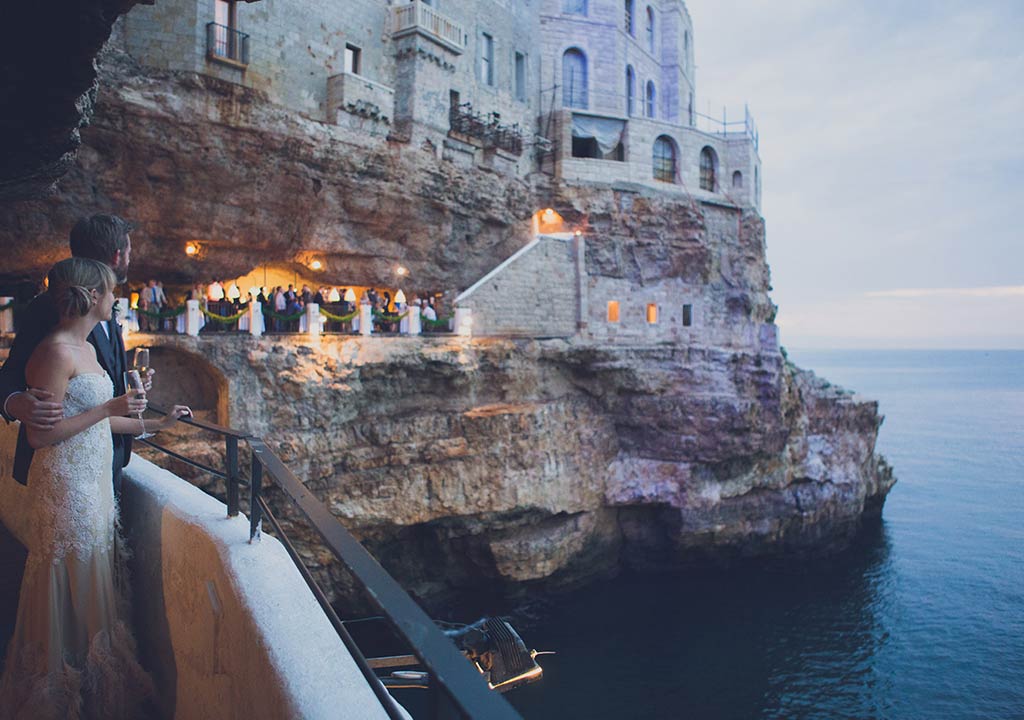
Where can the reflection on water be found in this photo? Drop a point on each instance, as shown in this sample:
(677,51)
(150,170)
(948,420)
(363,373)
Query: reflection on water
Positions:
(748,643)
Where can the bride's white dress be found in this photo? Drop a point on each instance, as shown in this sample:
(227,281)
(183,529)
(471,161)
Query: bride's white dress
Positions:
(72,654)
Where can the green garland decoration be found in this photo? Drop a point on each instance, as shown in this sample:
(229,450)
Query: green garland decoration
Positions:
(225,319)
(440,322)
(339,318)
(286,318)
(163,314)
(384,317)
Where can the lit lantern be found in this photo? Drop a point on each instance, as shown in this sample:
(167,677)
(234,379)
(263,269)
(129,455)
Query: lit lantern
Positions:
(233,292)
(350,295)
(400,298)
(315,265)
(191,249)
(548,216)
(334,296)
(134,301)
(402,271)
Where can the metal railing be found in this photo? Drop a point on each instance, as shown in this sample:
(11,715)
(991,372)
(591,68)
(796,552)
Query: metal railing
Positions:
(451,674)
(488,128)
(226,43)
(420,17)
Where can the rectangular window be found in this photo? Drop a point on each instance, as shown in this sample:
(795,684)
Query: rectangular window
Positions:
(353,60)
(652,314)
(574,7)
(520,77)
(613,311)
(223,38)
(687,315)
(486,59)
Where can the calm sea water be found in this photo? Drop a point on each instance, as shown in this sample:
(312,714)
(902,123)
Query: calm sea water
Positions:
(924,619)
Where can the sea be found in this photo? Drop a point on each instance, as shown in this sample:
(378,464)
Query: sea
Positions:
(923,619)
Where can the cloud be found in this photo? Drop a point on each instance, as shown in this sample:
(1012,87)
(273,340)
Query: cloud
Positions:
(981,292)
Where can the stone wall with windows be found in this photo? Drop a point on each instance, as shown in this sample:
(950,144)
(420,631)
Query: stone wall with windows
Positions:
(297,56)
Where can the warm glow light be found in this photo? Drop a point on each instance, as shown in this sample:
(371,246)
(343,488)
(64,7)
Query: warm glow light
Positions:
(191,249)
(315,265)
(134,301)
(652,313)
(402,270)
(548,216)
(578,233)
(400,297)
(350,295)
(334,295)
(613,311)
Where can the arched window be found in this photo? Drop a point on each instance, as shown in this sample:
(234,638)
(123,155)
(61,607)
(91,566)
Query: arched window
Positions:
(665,159)
(708,168)
(737,179)
(650,99)
(630,91)
(629,17)
(650,28)
(574,78)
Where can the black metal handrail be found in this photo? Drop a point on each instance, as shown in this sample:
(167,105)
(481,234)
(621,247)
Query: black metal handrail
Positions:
(449,669)
(227,43)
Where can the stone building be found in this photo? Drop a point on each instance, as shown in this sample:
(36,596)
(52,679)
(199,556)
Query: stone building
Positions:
(589,90)
(456,76)
(619,102)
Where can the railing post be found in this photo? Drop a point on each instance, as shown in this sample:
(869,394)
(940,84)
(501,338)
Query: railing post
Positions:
(255,491)
(313,319)
(192,316)
(463,321)
(255,318)
(365,319)
(231,459)
(415,326)
(6,315)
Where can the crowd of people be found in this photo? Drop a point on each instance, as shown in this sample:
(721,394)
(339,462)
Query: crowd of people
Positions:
(282,306)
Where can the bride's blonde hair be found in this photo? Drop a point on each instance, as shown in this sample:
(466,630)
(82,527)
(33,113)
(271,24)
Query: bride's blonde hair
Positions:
(72,281)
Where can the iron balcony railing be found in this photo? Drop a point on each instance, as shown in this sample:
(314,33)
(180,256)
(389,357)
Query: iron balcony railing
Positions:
(488,128)
(455,682)
(226,43)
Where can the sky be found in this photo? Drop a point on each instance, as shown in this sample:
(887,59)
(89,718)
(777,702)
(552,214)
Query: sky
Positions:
(892,144)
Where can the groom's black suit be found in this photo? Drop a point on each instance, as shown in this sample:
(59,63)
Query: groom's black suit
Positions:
(39,319)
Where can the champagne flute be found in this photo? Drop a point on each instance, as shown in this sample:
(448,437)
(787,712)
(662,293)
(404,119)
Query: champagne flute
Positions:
(133,381)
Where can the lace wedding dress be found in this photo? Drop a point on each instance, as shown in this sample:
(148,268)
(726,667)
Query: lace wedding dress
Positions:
(72,654)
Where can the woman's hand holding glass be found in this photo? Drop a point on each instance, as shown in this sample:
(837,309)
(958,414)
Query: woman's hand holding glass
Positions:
(131,403)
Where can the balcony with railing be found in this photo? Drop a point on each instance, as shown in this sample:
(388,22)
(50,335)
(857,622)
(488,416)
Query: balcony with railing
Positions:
(417,17)
(226,45)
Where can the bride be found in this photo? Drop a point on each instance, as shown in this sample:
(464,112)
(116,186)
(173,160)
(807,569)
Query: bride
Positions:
(72,654)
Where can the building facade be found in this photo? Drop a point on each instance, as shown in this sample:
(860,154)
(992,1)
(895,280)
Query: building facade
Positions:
(592,91)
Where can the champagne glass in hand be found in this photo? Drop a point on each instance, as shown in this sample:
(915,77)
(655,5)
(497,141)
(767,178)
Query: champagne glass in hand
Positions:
(133,382)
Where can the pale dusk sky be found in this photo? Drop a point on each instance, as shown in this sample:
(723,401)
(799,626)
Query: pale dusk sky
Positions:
(892,142)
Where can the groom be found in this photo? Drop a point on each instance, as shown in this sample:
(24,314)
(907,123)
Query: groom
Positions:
(100,237)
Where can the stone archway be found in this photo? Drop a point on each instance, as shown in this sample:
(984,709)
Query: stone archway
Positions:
(188,378)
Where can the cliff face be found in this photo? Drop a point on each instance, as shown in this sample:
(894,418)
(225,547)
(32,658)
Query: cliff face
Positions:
(504,465)
(485,463)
